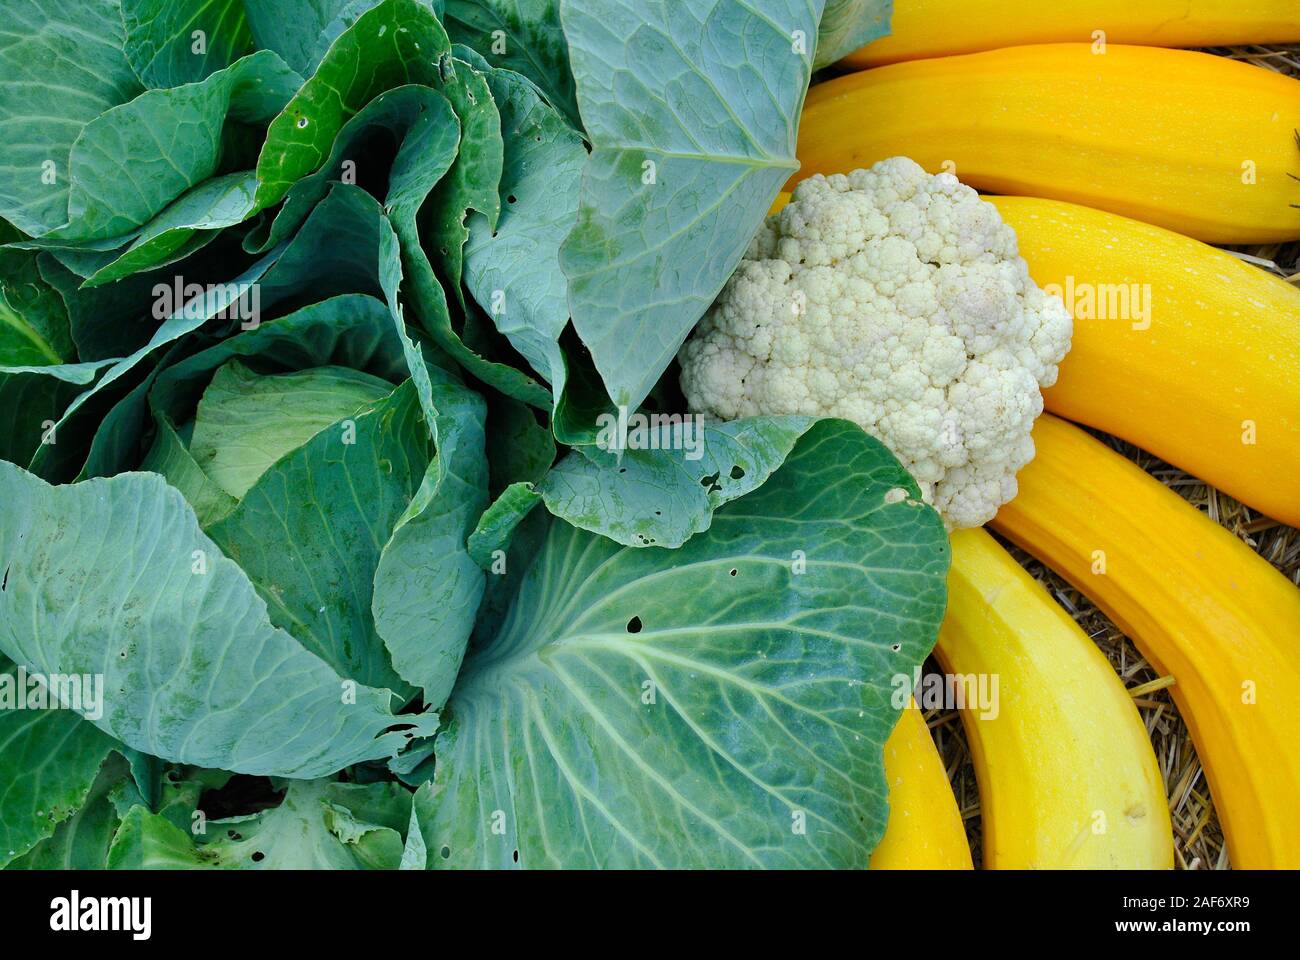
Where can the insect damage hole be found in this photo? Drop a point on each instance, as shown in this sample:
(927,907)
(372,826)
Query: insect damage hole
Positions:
(634,625)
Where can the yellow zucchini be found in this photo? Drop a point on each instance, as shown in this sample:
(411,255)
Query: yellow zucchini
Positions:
(939,28)
(1067,775)
(1178,347)
(1196,143)
(925,831)
(1200,605)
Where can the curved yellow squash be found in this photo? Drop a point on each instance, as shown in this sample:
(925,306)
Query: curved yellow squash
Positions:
(1189,141)
(1199,604)
(939,28)
(1180,348)
(1067,775)
(925,830)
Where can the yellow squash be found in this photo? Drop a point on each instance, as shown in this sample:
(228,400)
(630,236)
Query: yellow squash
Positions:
(1196,143)
(925,831)
(1066,772)
(1200,605)
(937,28)
(1180,348)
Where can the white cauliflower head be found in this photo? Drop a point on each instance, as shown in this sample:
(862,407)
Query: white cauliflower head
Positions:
(897,300)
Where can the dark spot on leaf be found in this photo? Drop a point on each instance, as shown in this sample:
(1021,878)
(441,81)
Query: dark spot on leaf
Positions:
(634,625)
(516,856)
(737,472)
(734,571)
(896,647)
(258,856)
(446,853)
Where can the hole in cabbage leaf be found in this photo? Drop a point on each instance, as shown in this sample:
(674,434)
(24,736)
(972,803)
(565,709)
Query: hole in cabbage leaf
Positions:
(446,853)
(634,625)
(242,794)
(737,472)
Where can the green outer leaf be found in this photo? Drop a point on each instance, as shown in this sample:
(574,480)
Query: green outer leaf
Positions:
(149,841)
(414,856)
(319,825)
(311,531)
(710,94)
(193,670)
(21,345)
(48,762)
(210,206)
(498,523)
(160,41)
(81,842)
(61,66)
(172,329)
(530,42)
(424,156)
(33,318)
(472,181)
(661,497)
(295,29)
(336,252)
(512,269)
(397,112)
(427,588)
(847,25)
(169,457)
(398,42)
(769,642)
(123,173)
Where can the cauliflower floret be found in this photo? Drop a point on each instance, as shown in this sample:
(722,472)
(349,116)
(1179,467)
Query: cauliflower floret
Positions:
(897,300)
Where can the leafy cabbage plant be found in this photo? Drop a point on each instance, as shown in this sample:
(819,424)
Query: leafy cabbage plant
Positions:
(313,314)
